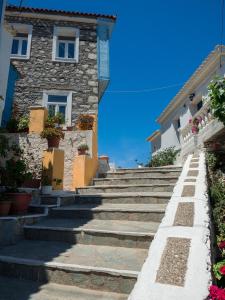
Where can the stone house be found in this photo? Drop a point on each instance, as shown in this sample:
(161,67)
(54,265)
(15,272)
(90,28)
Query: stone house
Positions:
(189,103)
(62,59)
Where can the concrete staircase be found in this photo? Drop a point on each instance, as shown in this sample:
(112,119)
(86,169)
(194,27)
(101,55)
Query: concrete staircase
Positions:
(94,244)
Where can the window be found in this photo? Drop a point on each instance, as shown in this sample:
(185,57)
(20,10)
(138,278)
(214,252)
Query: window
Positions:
(19,45)
(65,44)
(22,41)
(59,102)
(65,48)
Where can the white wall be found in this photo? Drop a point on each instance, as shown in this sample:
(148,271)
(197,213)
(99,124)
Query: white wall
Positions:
(185,111)
(5,49)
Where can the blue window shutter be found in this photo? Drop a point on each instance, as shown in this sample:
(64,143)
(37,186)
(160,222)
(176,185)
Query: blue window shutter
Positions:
(1,7)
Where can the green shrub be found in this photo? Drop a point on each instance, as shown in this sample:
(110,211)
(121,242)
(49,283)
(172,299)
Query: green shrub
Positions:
(23,123)
(217,98)
(164,157)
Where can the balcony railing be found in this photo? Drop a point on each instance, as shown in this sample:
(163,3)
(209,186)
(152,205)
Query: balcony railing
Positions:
(204,117)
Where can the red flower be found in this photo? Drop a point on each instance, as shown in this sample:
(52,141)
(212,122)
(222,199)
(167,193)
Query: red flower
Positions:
(221,245)
(222,270)
(216,293)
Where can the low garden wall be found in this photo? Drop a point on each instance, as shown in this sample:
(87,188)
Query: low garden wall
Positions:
(33,146)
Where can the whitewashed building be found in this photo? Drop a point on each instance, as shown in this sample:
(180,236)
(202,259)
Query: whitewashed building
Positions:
(190,103)
(5,51)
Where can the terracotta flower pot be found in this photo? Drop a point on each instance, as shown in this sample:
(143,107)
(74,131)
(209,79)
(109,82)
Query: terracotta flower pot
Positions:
(20,202)
(4,208)
(53,142)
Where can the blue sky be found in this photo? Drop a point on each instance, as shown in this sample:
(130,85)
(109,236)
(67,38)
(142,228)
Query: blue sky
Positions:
(154,44)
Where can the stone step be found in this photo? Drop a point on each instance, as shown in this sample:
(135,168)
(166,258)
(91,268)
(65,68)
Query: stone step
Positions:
(126,188)
(134,212)
(143,173)
(170,167)
(59,200)
(112,269)
(94,232)
(123,198)
(135,180)
(14,289)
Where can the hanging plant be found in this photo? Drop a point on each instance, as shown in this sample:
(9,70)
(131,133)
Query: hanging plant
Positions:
(216,90)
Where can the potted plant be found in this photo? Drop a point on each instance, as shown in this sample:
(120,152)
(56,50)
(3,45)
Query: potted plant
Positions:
(23,124)
(15,173)
(5,205)
(46,184)
(85,122)
(53,136)
(82,149)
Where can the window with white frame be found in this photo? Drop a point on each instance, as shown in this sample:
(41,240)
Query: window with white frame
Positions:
(59,102)
(65,44)
(21,43)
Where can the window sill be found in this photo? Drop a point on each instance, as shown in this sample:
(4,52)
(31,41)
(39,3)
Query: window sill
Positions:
(72,61)
(19,57)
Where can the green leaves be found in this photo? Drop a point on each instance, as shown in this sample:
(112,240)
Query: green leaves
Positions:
(216,91)
(164,158)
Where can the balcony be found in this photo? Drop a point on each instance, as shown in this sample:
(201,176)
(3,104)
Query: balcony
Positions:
(208,129)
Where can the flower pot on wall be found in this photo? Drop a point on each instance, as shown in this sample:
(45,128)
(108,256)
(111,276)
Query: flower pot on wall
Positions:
(53,142)
(20,202)
(4,208)
(46,189)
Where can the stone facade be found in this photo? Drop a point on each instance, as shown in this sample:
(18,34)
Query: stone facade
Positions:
(33,147)
(41,73)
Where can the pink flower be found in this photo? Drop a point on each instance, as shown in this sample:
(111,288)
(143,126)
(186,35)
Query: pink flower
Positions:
(221,245)
(216,293)
(190,121)
(222,270)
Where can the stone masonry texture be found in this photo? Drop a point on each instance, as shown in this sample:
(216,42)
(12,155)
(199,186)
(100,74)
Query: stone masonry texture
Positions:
(40,73)
(33,147)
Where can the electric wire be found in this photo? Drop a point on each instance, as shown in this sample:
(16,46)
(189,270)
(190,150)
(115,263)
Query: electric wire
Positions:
(144,90)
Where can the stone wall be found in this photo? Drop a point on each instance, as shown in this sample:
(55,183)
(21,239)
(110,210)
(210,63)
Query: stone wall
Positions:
(40,73)
(33,147)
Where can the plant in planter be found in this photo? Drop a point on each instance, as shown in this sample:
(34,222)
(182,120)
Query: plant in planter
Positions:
(195,123)
(46,183)
(13,176)
(23,124)
(57,181)
(85,122)
(82,149)
(53,136)
(5,205)
(55,121)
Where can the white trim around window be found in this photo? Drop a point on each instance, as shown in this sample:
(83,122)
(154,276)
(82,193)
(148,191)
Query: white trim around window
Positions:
(27,30)
(69,32)
(68,94)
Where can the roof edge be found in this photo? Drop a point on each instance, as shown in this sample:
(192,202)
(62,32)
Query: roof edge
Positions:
(14,8)
(214,54)
(153,135)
